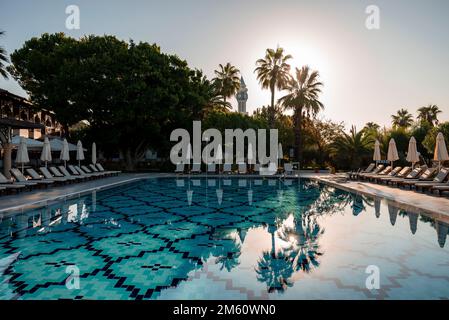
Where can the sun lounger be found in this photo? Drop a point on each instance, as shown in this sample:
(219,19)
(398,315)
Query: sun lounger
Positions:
(288,168)
(85,170)
(88,171)
(414,174)
(227,168)
(23,180)
(93,168)
(102,169)
(377,170)
(36,177)
(196,168)
(242,169)
(437,181)
(179,168)
(393,173)
(13,186)
(50,176)
(74,171)
(270,170)
(354,174)
(256,169)
(67,174)
(427,175)
(382,173)
(8,184)
(58,174)
(401,174)
(211,168)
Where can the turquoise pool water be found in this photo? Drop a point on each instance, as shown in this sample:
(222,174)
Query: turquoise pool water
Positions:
(223,239)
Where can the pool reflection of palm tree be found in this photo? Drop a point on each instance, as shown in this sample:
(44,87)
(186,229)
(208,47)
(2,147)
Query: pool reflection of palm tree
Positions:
(275,269)
(303,238)
(228,251)
(229,259)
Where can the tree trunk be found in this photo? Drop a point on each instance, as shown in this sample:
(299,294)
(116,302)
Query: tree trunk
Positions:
(298,136)
(7,149)
(130,161)
(65,131)
(271,111)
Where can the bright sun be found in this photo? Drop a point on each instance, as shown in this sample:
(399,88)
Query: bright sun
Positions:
(305,55)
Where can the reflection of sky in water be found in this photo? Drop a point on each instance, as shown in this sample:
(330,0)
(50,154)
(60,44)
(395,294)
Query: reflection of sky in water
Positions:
(244,240)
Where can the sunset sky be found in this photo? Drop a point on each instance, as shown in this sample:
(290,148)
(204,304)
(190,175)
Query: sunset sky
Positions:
(368,74)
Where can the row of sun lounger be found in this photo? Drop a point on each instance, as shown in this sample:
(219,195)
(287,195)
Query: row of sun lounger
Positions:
(51,176)
(421,178)
(242,168)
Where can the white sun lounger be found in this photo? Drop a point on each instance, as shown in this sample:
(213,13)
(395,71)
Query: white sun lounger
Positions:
(196,168)
(242,168)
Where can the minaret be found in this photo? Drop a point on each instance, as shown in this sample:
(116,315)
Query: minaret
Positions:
(242,96)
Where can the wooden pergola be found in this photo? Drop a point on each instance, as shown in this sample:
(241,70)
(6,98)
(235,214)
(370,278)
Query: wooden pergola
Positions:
(6,127)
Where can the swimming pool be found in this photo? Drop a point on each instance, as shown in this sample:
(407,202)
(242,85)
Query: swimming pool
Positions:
(225,238)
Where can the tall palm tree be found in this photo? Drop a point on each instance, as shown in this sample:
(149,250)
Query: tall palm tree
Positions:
(371,126)
(273,72)
(402,119)
(227,80)
(429,114)
(3,59)
(302,98)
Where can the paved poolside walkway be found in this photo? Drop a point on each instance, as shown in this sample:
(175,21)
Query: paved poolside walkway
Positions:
(406,199)
(41,196)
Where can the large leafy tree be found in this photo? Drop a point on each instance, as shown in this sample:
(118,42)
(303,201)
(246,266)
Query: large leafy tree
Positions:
(273,72)
(44,68)
(429,114)
(227,80)
(303,99)
(402,119)
(3,59)
(131,95)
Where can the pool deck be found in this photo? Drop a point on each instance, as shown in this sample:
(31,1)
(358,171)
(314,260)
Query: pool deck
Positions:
(405,199)
(408,200)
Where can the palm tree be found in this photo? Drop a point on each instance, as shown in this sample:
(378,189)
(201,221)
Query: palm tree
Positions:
(3,59)
(227,80)
(273,73)
(402,119)
(214,101)
(429,114)
(352,147)
(371,126)
(302,98)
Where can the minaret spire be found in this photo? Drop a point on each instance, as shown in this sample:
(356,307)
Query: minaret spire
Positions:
(242,96)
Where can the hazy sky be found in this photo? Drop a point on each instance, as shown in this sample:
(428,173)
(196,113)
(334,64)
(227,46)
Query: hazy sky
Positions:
(368,74)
